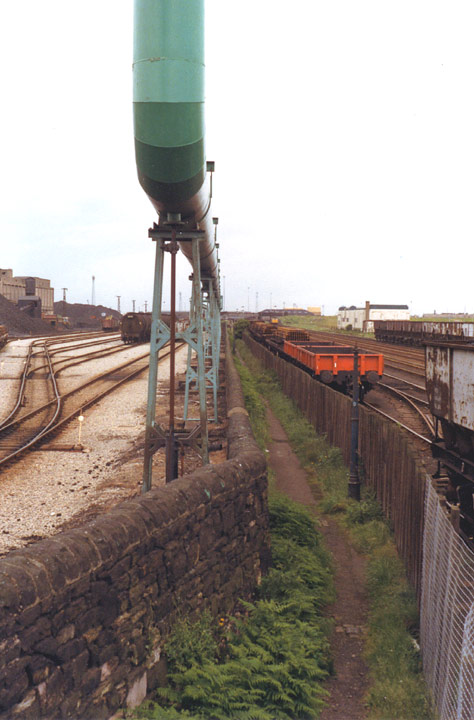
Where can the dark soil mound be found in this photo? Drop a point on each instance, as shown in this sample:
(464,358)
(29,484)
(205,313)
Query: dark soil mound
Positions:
(84,316)
(19,323)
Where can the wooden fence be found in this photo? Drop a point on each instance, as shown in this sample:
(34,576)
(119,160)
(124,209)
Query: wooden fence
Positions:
(388,461)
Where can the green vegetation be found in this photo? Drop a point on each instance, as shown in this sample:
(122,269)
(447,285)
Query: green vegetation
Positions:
(398,689)
(270,662)
(392,655)
(254,405)
(325,323)
(239,327)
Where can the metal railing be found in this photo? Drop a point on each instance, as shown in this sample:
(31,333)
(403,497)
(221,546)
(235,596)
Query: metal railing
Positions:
(447,613)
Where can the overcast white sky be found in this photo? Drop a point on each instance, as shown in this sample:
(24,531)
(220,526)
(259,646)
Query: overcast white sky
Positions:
(342,131)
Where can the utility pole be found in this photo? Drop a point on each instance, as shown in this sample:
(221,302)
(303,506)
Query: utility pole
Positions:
(133,304)
(180,301)
(256,302)
(146,304)
(93,290)
(64,293)
(118,302)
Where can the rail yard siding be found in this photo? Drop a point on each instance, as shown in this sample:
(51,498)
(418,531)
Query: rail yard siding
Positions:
(83,615)
(388,464)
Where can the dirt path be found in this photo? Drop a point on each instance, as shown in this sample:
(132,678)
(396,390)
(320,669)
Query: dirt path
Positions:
(350,683)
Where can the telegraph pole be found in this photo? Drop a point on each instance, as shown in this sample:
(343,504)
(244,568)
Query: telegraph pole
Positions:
(118,302)
(133,304)
(93,290)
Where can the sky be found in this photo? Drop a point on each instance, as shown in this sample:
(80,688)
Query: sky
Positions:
(342,132)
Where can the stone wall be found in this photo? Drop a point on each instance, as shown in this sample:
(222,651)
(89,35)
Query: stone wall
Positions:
(84,614)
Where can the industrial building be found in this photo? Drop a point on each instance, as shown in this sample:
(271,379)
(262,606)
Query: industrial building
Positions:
(353,318)
(14,288)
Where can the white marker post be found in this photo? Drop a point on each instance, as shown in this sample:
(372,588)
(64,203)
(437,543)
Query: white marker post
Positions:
(81,420)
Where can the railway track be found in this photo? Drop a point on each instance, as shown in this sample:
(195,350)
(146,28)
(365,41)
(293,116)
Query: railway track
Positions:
(52,409)
(37,367)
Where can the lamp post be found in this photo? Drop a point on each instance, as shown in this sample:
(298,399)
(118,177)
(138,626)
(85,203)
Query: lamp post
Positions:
(354,480)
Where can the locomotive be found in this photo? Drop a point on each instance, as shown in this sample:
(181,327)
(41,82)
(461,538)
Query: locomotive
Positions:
(449,381)
(329,363)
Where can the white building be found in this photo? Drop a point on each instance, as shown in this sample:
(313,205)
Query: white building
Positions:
(353,318)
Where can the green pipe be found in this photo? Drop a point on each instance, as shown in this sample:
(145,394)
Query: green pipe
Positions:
(168,94)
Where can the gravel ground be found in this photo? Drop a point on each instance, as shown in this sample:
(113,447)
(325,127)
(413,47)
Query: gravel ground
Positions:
(50,490)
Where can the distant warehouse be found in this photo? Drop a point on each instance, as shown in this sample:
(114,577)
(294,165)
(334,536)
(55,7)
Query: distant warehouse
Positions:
(353,318)
(14,288)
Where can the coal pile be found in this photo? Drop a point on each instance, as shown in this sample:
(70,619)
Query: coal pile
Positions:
(84,316)
(19,323)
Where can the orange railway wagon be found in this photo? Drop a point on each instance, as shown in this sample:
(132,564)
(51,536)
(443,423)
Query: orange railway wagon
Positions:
(333,364)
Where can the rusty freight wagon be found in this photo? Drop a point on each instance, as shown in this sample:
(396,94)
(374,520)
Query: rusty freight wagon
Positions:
(110,323)
(449,382)
(412,332)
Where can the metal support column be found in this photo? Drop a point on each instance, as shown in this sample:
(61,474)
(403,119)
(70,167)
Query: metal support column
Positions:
(159,336)
(197,295)
(156,437)
(215,335)
(212,341)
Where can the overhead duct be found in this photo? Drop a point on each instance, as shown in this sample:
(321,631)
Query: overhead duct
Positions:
(168,94)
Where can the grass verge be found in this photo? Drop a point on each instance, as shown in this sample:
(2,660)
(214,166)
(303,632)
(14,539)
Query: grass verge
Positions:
(398,689)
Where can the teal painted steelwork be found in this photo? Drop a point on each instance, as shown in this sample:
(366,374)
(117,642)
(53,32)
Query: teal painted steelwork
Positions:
(193,335)
(168,93)
(212,342)
(159,336)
